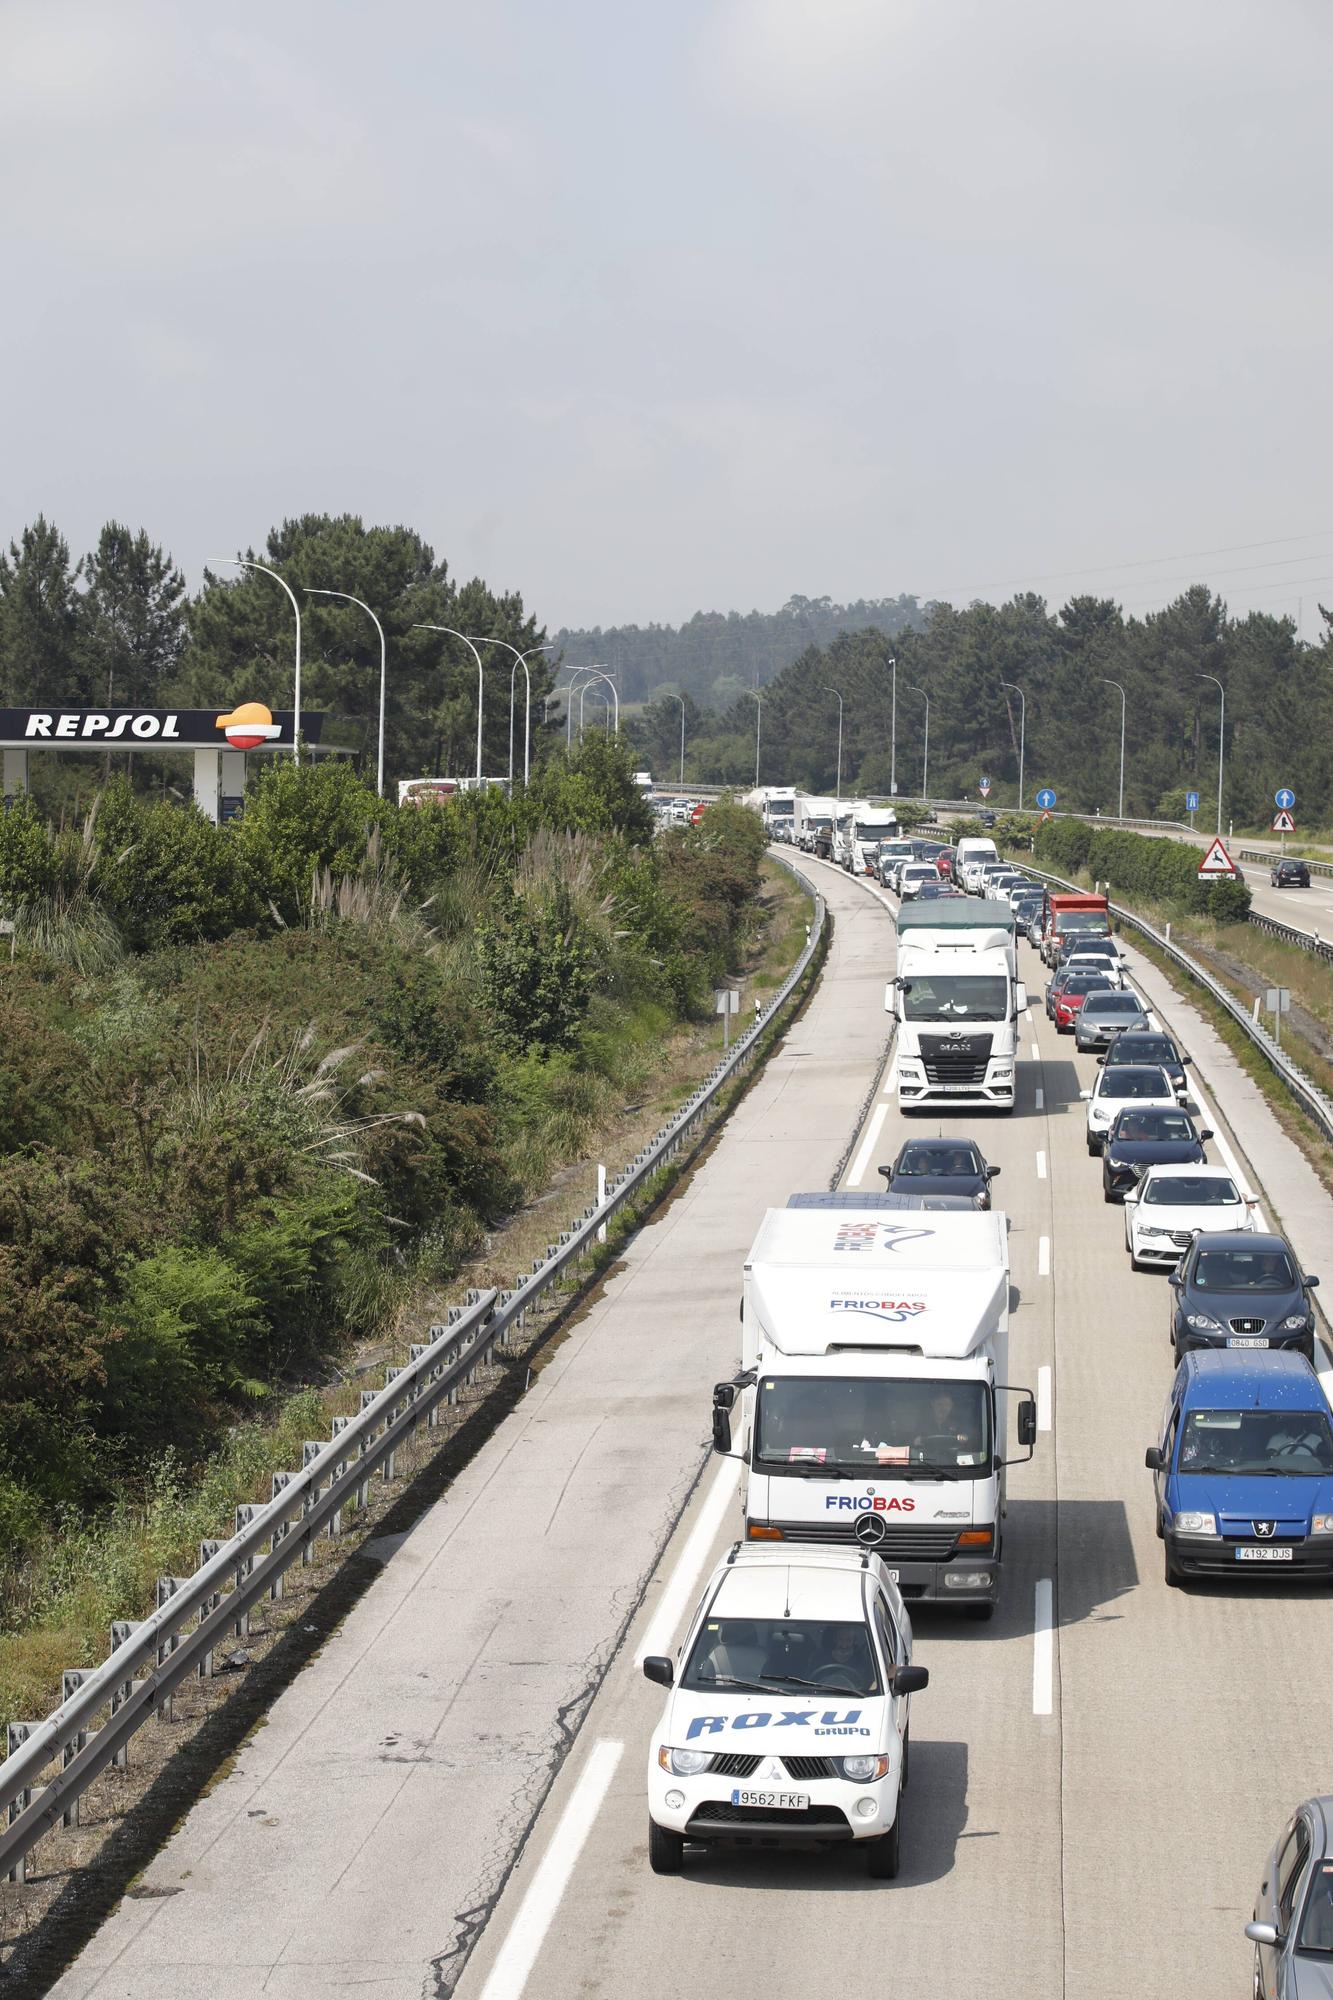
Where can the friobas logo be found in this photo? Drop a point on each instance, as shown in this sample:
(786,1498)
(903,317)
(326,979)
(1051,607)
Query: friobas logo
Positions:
(249,726)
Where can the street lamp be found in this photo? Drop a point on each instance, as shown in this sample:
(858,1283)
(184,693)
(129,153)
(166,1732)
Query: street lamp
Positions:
(1022,733)
(681,699)
(248,562)
(893,730)
(1115,684)
(348,598)
(925,755)
(481,680)
(758,700)
(520,660)
(832,690)
(1221,741)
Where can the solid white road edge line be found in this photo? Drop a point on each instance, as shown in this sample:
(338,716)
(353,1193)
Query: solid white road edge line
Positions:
(868,1145)
(1043,1649)
(1041,1166)
(891,1079)
(1043,1398)
(518,1953)
(684,1578)
(1041,1098)
(1043,1257)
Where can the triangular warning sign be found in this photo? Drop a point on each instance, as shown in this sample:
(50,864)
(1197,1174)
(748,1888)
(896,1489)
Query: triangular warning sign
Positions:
(1217,861)
(1283,822)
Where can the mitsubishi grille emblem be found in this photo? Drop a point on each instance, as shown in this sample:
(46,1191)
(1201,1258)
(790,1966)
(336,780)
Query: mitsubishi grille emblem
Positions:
(1264,1530)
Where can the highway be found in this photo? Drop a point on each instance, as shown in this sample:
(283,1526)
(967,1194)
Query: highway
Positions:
(451,1798)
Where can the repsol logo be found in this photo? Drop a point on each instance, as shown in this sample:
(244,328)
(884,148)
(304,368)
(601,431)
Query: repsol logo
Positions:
(105,728)
(830,1723)
(870,1503)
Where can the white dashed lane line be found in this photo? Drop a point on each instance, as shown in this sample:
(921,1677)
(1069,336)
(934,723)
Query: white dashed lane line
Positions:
(1041,1166)
(1044,1257)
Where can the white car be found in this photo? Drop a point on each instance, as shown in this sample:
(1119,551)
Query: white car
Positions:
(789,1718)
(912,874)
(1172,1204)
(1120,1084)
(1103,956)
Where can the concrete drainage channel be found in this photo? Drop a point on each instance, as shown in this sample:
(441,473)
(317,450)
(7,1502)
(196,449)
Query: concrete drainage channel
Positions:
(50,1764)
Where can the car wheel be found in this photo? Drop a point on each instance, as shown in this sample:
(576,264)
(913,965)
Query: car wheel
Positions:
(885,1855)
(666,1850)
(1134,1263)
(1170,1572)
(1092,1148)
(1106,1192)
(1258,1988)
(1307,1349)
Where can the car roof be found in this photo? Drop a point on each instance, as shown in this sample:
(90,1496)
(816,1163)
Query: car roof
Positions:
(1126,1070)
(784,1584)
(1242,1239)
(1274,1378)
(1165,1168)
(1117,998)
(941,1145)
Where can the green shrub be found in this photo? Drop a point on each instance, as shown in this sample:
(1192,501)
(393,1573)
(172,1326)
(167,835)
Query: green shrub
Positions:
(166,874)
(300,817)
(1160,869)
(27,856)
(183,1332)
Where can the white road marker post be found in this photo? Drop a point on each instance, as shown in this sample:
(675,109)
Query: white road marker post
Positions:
(601,1197)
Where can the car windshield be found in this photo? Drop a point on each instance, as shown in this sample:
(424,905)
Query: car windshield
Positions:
(1133,1083)
(813,1427)
(1243,1271)
(1189,1191)
(1144,1048)
(1170,1126)
(1250,1443)
(929,1157)
(779,1654)
(943,996)
(1086,982)
(1114,1003)
(1316,1932)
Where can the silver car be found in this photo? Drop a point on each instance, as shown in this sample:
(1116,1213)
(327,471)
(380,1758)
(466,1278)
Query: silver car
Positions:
(1292,1929)
(1103,1016)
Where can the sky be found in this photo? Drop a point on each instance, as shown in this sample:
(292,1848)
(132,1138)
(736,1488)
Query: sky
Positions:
(642,310)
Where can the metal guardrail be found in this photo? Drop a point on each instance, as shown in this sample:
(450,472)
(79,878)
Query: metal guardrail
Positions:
(1311,1099)
(196,1615)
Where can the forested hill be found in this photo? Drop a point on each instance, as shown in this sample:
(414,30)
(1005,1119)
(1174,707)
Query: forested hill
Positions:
(715,654)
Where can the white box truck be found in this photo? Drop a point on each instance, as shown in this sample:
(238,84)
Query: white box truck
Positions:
(970,856)
(956,997)
(870,825)
(812,817)
(872,1404)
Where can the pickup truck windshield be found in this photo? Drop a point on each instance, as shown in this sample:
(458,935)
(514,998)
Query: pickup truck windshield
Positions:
(829,1428)
(779,1655)
(1250,1443)
(955,996)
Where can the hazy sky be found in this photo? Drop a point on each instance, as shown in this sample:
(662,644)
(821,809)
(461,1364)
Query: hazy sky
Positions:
(647,308)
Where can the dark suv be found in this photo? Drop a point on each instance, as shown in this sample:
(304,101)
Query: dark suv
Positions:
(1289,875)
(1236,1289)
(1147,1045)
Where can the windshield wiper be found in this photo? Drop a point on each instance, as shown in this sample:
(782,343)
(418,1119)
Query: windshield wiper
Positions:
(746,1687)
(805,1468)
(821,1687)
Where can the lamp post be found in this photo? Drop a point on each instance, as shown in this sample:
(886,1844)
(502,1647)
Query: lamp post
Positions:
(248,562)
(925,755)
(1022,733)
(520,660)
(348,598)
(481,681)
(1116,685)
(833,691)
(758,700)
(893,730)
(681,699)
(1221,741)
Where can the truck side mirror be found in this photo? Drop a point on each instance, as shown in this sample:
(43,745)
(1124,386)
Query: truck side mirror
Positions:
(724,1396)
(1027,1423)
(721,1431)
(910,1680)
(1153,1459)
(658,1667)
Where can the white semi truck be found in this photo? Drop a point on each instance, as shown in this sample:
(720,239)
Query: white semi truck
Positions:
(956,996)
(812,817)
(869,826)
(872,1403)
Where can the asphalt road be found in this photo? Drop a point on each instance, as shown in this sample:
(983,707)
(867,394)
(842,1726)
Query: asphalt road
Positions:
(1088,1812)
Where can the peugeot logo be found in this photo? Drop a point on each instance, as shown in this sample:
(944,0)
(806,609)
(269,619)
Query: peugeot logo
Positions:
(870,1530)
(1264,1530)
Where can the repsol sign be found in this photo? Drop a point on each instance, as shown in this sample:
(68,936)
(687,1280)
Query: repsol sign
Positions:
(144,728)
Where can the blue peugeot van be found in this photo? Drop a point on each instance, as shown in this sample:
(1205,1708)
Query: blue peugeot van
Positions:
(1243,1476)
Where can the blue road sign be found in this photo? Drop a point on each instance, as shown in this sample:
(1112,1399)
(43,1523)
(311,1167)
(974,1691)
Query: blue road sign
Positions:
(1284,800)
(1191,802)
(984,788)
(1046,798)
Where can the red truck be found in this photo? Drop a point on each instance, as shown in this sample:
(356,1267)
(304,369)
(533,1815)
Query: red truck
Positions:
(1069,920)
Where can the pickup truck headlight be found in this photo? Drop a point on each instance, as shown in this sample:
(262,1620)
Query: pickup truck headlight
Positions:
(684,1763)
(1190,1523)
(863,1770)
(1322,1524)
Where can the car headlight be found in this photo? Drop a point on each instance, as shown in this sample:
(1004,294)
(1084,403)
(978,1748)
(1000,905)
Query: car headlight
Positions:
(1202,1323)
(1322,1524)
(863,1770)
(1296,1323)
(1194,1524)
(684,1763)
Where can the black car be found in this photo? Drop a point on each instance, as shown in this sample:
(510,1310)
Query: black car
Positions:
(1286,874)
(987,819)
(1144,1137)
(1236,1289)
(1150,1046)
(941,1166)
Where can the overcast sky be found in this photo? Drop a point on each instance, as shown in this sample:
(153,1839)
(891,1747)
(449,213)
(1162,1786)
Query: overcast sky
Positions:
(643,309)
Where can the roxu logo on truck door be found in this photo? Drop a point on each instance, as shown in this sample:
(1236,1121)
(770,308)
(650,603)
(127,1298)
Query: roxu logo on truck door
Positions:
(830,1722)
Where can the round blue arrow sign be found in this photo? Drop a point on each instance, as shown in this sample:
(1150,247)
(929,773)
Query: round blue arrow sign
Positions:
(1284,800)
(1046,799)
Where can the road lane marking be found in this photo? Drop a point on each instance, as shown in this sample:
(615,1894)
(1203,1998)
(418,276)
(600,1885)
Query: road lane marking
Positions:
(1041,1166)
(1043,1399)
(1027,1015)
(868,1145)
(1041,1098)
(1036,1053)
(891,1080)
(518,1953)
(1044,1257)
(1043,1651)
(684,1578)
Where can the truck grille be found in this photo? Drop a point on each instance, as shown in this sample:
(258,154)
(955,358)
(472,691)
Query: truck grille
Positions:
(734,1764)
(955,1059)
(807,1768)
(904,1541)
(721,1812)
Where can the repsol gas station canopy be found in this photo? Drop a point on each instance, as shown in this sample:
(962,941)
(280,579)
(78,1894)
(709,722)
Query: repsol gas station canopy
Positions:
(219,740)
